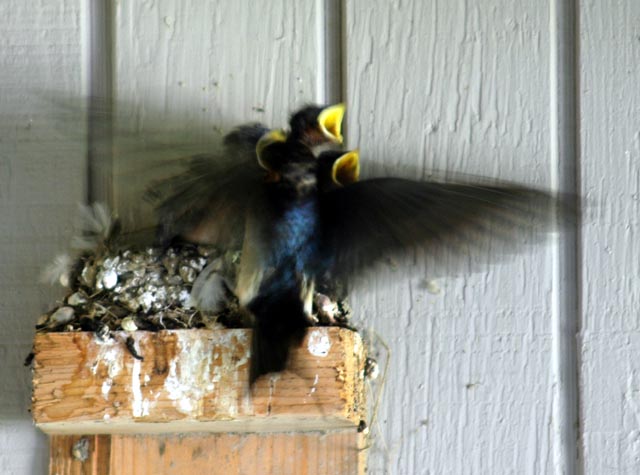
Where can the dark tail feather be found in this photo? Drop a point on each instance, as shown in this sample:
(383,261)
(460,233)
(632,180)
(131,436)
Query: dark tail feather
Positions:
(280,324)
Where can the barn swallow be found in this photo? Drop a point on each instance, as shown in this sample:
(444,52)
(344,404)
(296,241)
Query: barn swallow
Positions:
(217,186)
(276,281)
(285,232)
(209,202)
(345,230)
(332,169)
(306,215)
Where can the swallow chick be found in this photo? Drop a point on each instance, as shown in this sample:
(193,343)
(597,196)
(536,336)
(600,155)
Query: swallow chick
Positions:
(317,125)
(208,203)
(216,187)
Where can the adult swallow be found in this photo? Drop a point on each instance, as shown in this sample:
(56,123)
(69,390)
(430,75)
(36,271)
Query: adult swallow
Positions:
(306,215)
(283,235)
(331,169)
(343,231)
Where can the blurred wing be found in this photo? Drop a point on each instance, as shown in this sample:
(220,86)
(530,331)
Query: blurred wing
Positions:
(170,157)
(207,202)
(382,217)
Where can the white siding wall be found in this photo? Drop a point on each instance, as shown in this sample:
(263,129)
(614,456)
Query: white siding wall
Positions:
(462,86)
(42,178)
(610,133)
(202,67)
(454,85)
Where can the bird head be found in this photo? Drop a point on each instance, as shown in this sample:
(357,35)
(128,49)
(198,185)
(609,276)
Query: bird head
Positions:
(292,165)
(314,125)
(338,168)
(271,137)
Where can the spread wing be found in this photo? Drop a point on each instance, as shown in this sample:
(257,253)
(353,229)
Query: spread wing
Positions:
(372,219)
(172,174)
(207,202)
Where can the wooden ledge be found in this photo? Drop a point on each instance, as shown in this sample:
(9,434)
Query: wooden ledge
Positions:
(194,381)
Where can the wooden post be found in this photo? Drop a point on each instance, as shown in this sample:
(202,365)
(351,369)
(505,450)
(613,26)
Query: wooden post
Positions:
(185,407)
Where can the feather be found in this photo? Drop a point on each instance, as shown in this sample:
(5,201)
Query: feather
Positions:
(94,226)
(58,271)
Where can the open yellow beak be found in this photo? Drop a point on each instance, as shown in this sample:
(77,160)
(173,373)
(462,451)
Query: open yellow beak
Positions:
(273,136)
(330,122)
(346,169)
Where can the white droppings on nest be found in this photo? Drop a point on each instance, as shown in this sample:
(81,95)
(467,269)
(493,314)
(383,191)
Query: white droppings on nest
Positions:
(109,354)
(319,342)
(273,379)
(227,394)
(128,324)
(62,315)
(190,376)
(314,386)
(77,298)
(139,406)
(106,387)
(356,346)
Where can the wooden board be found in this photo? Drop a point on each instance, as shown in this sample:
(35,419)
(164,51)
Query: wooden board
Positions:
(329,453)
(194,380)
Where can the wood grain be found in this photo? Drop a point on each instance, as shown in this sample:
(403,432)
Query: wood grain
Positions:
(328,453)
(194,380)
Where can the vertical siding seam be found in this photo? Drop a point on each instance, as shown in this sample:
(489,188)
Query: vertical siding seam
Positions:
(330,51)
(564,136)
(100,35)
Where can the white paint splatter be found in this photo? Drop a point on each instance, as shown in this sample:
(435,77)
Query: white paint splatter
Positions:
(432,286)
(319,342)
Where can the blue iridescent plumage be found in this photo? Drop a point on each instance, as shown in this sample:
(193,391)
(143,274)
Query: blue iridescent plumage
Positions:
(295,235)
(283,299)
